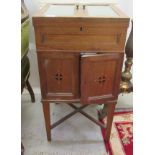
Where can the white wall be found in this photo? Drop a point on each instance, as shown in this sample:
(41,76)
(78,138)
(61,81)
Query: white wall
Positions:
(33,5)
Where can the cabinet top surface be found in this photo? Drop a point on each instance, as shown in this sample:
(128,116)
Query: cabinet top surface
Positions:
(80,11)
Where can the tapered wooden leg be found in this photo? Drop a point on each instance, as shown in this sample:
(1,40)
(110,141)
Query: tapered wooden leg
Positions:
(46,110)
(30,90)
(110,113)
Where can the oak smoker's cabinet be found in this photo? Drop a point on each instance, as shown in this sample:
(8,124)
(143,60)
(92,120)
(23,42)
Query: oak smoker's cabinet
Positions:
(80,51)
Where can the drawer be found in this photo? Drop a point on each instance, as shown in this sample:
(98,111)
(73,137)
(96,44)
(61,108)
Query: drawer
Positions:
(59,75)
(100,77)
(80,34)
(89,40)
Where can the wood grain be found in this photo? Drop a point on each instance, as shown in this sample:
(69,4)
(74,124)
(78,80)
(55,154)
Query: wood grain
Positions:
(59,74)
(100,77)
(67,73)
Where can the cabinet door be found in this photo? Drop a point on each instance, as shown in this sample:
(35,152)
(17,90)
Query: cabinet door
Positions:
(59,76)
(100,77)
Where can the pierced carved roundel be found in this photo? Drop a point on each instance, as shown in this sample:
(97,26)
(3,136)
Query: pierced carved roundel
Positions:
(101,79)
(58,76)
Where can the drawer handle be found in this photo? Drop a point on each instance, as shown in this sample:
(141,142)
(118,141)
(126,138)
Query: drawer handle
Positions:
(81,28)
(101,79)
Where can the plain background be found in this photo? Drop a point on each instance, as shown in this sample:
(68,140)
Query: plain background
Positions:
(144,77)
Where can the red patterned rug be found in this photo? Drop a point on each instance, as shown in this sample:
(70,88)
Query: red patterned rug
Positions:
(121,139)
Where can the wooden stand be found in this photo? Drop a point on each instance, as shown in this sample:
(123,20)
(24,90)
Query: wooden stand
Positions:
(110,110)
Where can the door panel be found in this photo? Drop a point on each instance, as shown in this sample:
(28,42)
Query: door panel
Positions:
(59,76)
(100,77)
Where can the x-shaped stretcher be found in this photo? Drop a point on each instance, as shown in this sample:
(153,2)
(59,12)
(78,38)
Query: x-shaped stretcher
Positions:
(78,109)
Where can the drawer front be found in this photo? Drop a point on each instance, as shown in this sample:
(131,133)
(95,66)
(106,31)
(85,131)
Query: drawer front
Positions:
(100,77)
(81,37)
(59,76)
(80,42)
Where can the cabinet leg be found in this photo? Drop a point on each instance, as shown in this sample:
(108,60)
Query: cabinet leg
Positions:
(46,110)
(110,113)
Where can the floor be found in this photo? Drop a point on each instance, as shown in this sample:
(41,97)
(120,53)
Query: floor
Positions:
(76,136)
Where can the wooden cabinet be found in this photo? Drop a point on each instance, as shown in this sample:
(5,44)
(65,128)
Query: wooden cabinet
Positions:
(63,41)
(80,52)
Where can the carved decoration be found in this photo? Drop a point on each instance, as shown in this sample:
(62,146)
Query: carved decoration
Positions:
(58,76)
(101,79)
